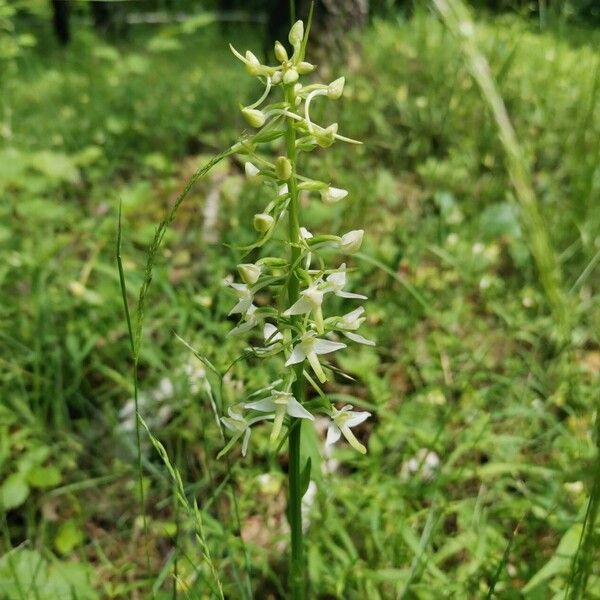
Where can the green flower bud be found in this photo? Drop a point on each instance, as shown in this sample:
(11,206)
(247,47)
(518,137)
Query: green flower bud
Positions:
(296,34)
(254,117)
(251,170)
(305,67)
(277,78)
(312,185)
(253,66)
(336,88)
(273,262)
(290,76)
(283,168)
(263,222)
(249,273)
(280,52)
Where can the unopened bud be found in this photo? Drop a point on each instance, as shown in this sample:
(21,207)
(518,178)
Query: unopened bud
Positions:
(253,65)
(273,261)
(283,168)
(249,273)
(352,241)
(254,117)
(280,52)
(336,88)
(296,34)
(251,170)
(312,185)
(276,78)
(290,76)
(263,222)
(332,195)
(305,67)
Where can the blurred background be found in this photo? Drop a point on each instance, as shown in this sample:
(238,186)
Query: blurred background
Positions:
(480,261)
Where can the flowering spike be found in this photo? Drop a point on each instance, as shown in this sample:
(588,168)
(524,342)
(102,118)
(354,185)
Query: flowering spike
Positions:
(298,325)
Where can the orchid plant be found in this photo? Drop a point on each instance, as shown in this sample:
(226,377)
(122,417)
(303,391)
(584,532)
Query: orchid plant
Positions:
(296,327)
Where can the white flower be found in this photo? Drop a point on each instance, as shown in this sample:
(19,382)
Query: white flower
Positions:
(248,322)
(280,403)
(341,422)
(331,195)
(241,426)
(336,282)
(310,347)
(245,298)
(351,241)
(305,234)
(350,322)
(251,170)
(310,300)
(249,273)
(271,334)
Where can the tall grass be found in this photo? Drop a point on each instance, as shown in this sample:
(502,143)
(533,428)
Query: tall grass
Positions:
(457,19)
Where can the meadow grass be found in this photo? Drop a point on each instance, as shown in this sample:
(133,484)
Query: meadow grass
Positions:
(482,456)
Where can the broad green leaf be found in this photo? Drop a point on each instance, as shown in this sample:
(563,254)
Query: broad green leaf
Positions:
(44,477)
(68,537)
(14,491)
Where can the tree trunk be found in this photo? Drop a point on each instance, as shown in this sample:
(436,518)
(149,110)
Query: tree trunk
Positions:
(60,20)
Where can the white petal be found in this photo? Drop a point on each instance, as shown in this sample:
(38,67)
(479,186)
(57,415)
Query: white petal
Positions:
(333,434)
(271,333)
(338,279)
(357,418)
(305,234)
(297,356)
(350,295)
(300,307)
(355,314)
(359,338)
(325,346)
(241,307)
(265,405)
(295,409)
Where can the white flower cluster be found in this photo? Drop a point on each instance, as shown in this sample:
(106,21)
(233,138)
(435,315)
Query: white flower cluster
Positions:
(296,329)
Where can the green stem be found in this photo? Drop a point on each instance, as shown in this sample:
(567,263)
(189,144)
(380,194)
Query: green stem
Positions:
(296,581)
